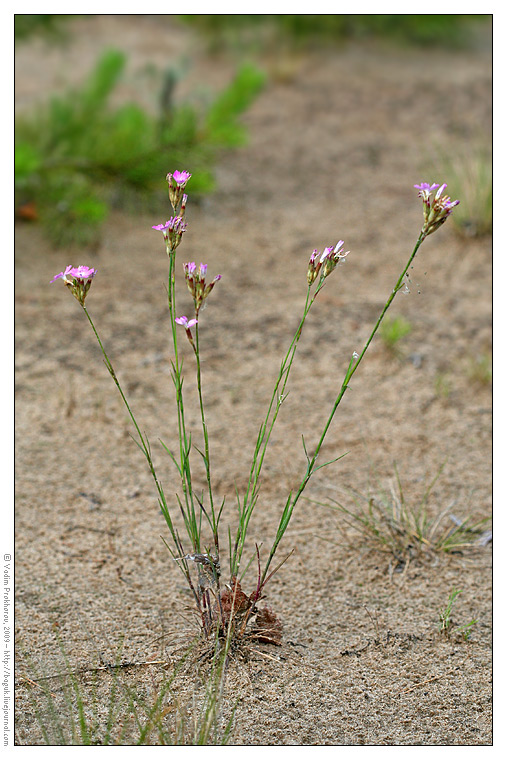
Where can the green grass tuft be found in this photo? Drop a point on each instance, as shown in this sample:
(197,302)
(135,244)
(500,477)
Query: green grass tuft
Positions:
(389,522)
(446,625)
(109,705)
(480,369)
(392,331)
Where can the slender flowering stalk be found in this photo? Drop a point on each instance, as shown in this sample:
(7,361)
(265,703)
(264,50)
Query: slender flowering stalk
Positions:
(250,498)
(142,443)
(199,290)
(213,518)
(78,280)
(172,232)
(196,283)
(436,211)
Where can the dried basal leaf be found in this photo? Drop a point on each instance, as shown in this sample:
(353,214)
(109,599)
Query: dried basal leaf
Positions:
(233,599)
(268,628)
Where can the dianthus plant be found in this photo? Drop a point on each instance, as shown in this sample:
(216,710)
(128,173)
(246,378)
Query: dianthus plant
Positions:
(224,610)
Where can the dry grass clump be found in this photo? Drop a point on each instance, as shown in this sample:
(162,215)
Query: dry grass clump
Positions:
(388,522)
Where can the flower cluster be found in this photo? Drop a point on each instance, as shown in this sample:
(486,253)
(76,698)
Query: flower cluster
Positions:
(325,261)
(172,230)
(78,280)
(177,181)
(436,209)
(196,283)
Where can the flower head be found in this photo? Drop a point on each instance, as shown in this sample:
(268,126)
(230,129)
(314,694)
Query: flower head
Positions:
(172,230)
(328,260)
(181,178)
(436,208)
(177,182)
(196,282)
(83,273)
(78,280)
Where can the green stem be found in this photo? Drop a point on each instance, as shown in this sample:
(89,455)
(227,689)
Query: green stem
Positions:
(192,523)
(264,436)
(284,373)
(207,463)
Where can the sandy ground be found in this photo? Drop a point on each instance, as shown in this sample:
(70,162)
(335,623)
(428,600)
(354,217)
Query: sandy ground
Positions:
(337,141)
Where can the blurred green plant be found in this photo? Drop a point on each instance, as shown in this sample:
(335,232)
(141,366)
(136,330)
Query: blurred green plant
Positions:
(480,369)
(50,25)
(443,385)
(302,30)
(98,706)
(77,155)
(392,330)
(470,172)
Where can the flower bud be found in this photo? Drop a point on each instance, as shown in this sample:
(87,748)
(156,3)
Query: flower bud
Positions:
(314,266)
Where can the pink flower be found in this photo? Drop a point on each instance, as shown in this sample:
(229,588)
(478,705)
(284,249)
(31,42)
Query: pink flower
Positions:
(181,178)
(187,323)
(159,227)
(172,230)
(83,273)
(79,273)
(62,275)
(425,189)
(175,223)
(327,260)
(78,280)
